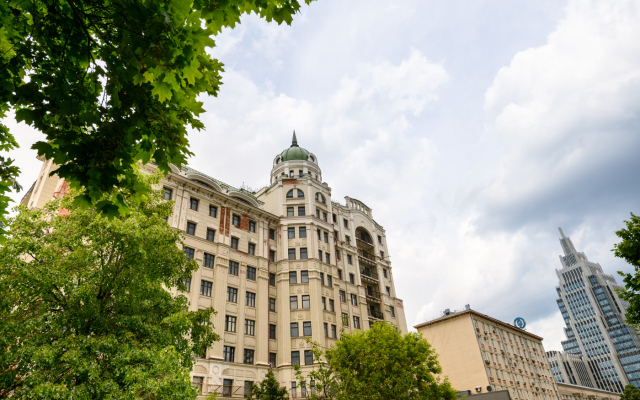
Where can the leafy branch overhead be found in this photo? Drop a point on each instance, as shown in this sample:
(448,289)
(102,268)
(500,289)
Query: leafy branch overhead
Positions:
(113,82)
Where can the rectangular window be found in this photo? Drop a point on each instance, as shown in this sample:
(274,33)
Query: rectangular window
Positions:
(349,260)
(187,283)
(272,304)
(308,357)
(291,233)
(324,303)
(295,360)
(167,193)
(347,239)
(293,277)
(213,211)
(384,272)
(293,390)
(329,280)
(322,278)
(345,319)
(232,294)
(324,216)
(289,211)
(354,299)
(356,322)
(194,204)
(317,213)
(338,256)
(272,331)
(327,258)
(388,291)
(292,254)
(301,211)
(304,276)
(272,234)
(229,356)
(272,256)
(191,253)
(306,328)
(250,299)
(230,323)
(302,232)
(235,220)
(319,236)
(272,279)
(248,387)
(334,331)
(381,254)
(335,218)
(294,329)
(251,273)
(300,176)
(326,329)
(234,243)
(211,234)
(208,259)
(326,237)
(273,359)
(233,268)
(320,255)
(191,228)
(343,296)
(248,356)
(303,253)
(252,249)
(352,279)
(249,327)
(205,288)
(252,226)
(340,274)
(293,302)
(379,239)
(392,311)
(332,307)
(306,301)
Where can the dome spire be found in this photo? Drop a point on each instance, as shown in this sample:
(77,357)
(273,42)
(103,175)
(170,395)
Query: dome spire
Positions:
(294,141)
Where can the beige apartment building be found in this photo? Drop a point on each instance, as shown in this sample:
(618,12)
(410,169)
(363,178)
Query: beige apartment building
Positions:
(482,354)
(279,265)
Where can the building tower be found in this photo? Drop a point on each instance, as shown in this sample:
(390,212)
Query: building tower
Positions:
(595,328)
(279,265)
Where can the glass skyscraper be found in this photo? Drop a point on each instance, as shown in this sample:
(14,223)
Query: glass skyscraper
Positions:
(595,328)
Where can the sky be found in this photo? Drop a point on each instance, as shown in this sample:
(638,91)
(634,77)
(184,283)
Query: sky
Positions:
(473,129)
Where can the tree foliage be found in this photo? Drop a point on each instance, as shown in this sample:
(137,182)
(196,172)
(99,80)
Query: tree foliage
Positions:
(629,250)
(379,363)
(268,389)
(112,82)
(630,393)
(84,311)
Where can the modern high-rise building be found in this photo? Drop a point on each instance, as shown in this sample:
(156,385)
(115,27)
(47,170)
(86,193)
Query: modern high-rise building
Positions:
(602,350)
(279,265)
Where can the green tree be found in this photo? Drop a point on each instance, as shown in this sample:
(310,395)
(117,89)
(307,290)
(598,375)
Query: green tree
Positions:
(112,82)
(84,311)
(630,393)
(629,250)
(379,363)
(268,389)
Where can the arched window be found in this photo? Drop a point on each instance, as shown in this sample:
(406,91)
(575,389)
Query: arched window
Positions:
(317,196)
(290,194)
(300,193)
(320,197)
(278,160)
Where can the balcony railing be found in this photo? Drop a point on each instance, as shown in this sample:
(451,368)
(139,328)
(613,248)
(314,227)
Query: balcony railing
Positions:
(369,274)
(374,294)
(375,314)
(366,255)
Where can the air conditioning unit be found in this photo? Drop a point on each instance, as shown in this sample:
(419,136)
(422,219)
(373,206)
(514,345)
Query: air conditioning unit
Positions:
(479,389)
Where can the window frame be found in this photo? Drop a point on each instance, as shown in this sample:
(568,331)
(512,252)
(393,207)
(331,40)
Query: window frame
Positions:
(251,273)
(272,304)
(293,300)
(250,327)
(206,287)
(290,253)
(194,204)
(303,213)
(213,211)
(232,294)
(208,257)
(168,191)
(294,328)
(249,356)
(306,328)
(234,268)
(306,300)
(229,353)
(250,299)
(251,249)
(304,276)
(304,255)
(230,323)
(211,235)
(190,252)
(293,277)
(235,242)
(291,232)
(295,357)
(191,228)
(302,232)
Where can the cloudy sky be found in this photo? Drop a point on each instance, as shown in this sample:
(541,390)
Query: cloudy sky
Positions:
(474,129)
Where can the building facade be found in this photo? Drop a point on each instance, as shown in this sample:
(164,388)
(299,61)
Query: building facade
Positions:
(594,325)
(575,392)
(569,368)
(280,265)
(482,354)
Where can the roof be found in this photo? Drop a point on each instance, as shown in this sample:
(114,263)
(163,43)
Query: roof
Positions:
(294,152)
(472,312)
(190,170)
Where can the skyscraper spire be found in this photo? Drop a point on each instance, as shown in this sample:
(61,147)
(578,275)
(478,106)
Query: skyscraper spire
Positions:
(294,142)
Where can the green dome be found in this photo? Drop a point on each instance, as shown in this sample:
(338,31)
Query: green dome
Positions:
(294,152)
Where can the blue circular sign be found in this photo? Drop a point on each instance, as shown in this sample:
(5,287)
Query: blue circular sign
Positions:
(519,323)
